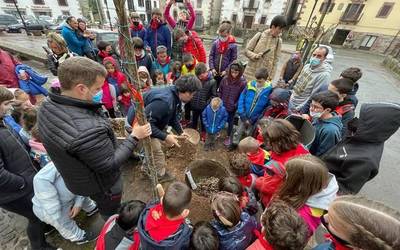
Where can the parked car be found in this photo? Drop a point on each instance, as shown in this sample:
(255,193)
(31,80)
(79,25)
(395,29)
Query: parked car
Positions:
(6,20)
(46,18)
(31,25)
(104,35)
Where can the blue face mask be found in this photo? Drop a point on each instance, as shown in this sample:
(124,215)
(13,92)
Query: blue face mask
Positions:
(97,97)
(315,61)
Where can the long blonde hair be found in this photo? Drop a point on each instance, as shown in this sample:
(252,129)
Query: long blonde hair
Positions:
(369,224)
(57,39)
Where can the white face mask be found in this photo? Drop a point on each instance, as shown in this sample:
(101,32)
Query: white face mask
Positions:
(316,115)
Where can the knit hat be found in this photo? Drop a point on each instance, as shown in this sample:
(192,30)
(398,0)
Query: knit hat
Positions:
(280,95)
(161,49)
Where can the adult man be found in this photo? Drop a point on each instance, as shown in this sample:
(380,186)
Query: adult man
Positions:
(313,79)
(75,44)
(80,141)
(264,49)
(162,107)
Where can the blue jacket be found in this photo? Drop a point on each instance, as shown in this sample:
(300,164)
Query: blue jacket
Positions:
(33,85)
(214,121)
(239,237)
(163,68)
(138,33)
(178,241)
(74,43)
(328,245)
(161,36)
(327,134)
(162,108)
(250,107)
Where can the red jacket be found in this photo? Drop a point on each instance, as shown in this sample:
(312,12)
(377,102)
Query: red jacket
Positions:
(8,78)
(268,184)
(194,46)
(284,157)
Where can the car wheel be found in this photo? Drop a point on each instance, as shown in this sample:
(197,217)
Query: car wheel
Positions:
(22,31)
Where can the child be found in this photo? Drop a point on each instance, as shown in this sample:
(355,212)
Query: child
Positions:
(328,125)
(248,201)
(136,27)
(192,44)
(55,87)
(159,78)
(55,205)
(109,99)
(279,104)
(240,167)
(231,223)
(163,61)
(252,103)
(22,99)
(257,156)
(162,225)
(309,188)
(38,152)
(125,101)
(145,81)
(28,122)
(214,119)
(354,74)
(355,222)
(189,64)
(223,52)
(105,49)
(343,87)
(31,82)
(142,58)
(281,229)
(120,230)
(230,88)
(204,237)
(114,77)
(175,72)
(202,97)
(284,141)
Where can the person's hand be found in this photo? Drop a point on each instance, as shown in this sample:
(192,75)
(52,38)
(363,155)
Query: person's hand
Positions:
(185,135)
(306,116)
(186,1)
(170,2)
(223,73)
(214,72)
(148,49)
(74,211)
(141,132)
(290,81)
(119,98)
(172,140)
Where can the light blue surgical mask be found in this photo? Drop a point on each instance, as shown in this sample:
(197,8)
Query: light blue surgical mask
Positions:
(97,97)
(315,61)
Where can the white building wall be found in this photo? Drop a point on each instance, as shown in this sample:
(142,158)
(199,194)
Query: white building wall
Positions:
(141,10)
(50,7)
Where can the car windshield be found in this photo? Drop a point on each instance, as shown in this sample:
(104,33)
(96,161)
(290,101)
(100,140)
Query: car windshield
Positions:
(5,19)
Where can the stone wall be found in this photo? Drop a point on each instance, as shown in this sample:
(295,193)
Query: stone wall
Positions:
(392,64)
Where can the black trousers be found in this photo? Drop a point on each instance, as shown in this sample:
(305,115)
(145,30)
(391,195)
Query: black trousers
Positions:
(35,229)
(109,202)
(196,115)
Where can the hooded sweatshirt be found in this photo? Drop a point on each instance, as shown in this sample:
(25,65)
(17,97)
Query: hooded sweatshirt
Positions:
(145,85)
(328,133)
(310,81)
(355,160)
(316,204)
(117,78)
(230,88)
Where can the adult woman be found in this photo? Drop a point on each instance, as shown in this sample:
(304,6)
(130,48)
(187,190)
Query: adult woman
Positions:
(88,49)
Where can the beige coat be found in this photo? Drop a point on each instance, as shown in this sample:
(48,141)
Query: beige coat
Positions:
(260,43)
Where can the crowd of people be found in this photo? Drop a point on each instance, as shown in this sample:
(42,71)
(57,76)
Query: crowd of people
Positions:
(59,154)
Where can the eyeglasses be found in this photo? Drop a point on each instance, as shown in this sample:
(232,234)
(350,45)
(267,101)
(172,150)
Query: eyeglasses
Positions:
(337,238)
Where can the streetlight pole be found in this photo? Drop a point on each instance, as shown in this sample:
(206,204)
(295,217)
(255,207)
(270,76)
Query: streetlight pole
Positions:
(312,12)
(108,14)
(20,15)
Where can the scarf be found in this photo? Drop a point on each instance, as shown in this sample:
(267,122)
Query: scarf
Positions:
(138,58)
(158,226)
(262,240)
(154,25)
(167,61)
(137,28)
(103,54)
(223,46)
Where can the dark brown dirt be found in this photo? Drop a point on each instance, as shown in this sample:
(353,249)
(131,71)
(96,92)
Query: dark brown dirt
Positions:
(118,125)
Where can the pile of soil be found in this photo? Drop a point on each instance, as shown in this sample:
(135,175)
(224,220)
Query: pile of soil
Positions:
(207,186)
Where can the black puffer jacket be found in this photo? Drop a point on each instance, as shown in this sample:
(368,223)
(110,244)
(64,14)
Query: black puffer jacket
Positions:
(202,97)
(16,168)
(82,145)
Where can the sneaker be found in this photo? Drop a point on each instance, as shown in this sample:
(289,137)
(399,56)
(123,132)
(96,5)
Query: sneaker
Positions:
(92,212)
(166,178)
(89,237)
(48,229)
(227,141)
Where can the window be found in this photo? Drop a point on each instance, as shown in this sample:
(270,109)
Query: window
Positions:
(385,10)
(154,4)
(353,12)
(340,6)
(148,5)
(141,3)
(66,13)
(199,20)
(263,20)
(234,18)
(9,1)
(199,3)
(367,42)
(62,2)
(131,5)
(40,2)
(324,7)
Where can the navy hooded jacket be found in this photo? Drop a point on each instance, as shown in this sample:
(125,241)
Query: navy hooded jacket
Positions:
(328,133)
